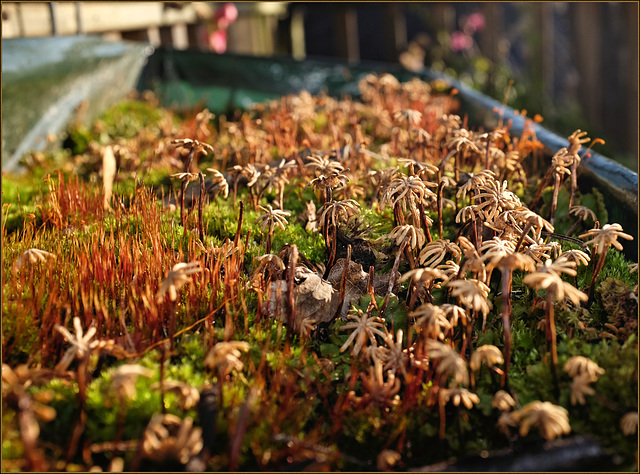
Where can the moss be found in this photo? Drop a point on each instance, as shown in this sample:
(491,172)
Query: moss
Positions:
(127,118)
(620,306)
(109,267)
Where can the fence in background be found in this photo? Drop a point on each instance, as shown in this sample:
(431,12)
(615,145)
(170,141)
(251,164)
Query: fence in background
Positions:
(569,53)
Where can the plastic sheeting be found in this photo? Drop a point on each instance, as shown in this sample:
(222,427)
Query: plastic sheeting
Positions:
(44,80)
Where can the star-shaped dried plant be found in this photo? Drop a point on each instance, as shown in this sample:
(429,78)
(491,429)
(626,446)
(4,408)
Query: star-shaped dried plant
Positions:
(325,183)
(365,327)
(408,116)
(493,250)
(382,393)
(434,252)
(602,239)
(414,236)
(225,356)
(473,294)
(176,279)
(462,140)
(487,354)
(419,169)
(396,356)
(187,145)
(31,257)
(547,277)
(495,197)
(578,365)
(323,165)
(458,396)
(406,190)
(185,177)
(330,212)
(272,218)
(583,213)
(218,184)
(576,256)
(431,321)
(168,438)
(82,345)
(580,388)
(449,362)
(472,181)
(503,401)
(552,420)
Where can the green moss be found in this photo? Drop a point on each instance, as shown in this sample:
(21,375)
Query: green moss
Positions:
(300,382)
(127,118)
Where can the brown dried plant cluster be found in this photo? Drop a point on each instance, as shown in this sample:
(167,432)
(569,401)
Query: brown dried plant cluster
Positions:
(454,233)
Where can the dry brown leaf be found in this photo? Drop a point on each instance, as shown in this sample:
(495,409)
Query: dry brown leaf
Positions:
(314,297)
(318,299)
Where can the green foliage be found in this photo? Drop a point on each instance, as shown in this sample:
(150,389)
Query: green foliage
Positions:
(127,118)
(110,266)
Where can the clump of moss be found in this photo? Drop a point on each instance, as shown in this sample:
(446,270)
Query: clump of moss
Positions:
(194,301)
(621,307)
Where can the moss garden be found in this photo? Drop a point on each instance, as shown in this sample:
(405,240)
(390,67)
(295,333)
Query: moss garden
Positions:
(312,284)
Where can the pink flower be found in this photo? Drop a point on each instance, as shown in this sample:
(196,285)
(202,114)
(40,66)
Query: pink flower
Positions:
(460,41)
(225,15)
(218,41)
(475,22)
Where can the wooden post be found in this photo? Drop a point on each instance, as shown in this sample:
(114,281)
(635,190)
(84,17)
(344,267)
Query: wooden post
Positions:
(489,38)
(629,73)
(166,36)
(347,44)
(395,29)
(298,48)
(195,36)
(587,52)
(547,57)
(52,15)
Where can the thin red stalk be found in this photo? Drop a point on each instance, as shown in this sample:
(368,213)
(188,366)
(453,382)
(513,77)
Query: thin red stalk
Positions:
(596,271)
(440,224)
(423,221)
(236,240)
(183,188)
(334,249)
(291,273)
(392,279)
(525,231)
(551,338)
(506,321)
(200,205)
(554,199)
(574,182)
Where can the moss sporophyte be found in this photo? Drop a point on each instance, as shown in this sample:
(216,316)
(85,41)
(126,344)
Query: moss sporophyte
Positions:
(315,302)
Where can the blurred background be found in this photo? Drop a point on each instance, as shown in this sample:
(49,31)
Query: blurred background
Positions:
(576,64)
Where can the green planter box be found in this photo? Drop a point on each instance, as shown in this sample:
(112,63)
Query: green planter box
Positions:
(227,82)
